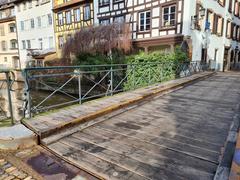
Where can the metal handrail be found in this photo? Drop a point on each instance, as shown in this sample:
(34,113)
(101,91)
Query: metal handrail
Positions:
(92,81)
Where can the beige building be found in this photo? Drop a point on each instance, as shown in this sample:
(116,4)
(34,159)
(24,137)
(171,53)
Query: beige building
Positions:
(70,16)
(8,37)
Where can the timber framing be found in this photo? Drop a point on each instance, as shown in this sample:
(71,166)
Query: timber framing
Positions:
(8,19)
(157,32)
(171,39)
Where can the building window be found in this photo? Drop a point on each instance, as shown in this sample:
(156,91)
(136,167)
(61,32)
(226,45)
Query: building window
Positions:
(50,42)
(233,31)
(28,44)
(60,41)
(32,23)
(237,33)
(236,8)
(169,16)
(23,44)
(76,15)
(115,1)
(39,22)
(12,12)
(219,25)
(30,4)
(104,2)
(68,17)
(40,42)
(5,59)
(87,12)
(228,33)
(221,2)
(24,6)
(12,28)
(104,21)
(60,19)
(145,21)
(118,19)
(230,5)
(13,44)
(49,19)
(19,8)
(210,20)
(69,37)
(4,45)
(37,2)
(22,25)
(2,32)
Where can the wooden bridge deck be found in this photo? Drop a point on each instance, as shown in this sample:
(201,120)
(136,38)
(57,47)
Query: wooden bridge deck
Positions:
(176,136)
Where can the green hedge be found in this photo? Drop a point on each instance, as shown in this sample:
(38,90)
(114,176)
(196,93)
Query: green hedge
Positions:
(155,67)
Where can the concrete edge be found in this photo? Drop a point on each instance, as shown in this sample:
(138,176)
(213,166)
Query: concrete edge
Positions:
(234,173)
(118,106)
(229,165)
(16,144)
(17,137)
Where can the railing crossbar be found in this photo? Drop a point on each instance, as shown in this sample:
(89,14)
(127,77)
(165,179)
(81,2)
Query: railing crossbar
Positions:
(53,93)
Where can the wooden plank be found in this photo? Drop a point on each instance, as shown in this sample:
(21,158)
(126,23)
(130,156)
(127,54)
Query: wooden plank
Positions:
(145,152)
(181,118)
(171,120)
(218,138)
(126,162)
(171,145)
(182,139)
(152,124)
(95,165)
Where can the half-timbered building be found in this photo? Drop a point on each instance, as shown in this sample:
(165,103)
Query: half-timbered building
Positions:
(155,24)
(208,29)
(70,16)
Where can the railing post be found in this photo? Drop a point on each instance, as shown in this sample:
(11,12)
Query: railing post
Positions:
(111,81)
(149,74)
(27,93)
(161,71)
(79,87)
(9,97)
(133,79)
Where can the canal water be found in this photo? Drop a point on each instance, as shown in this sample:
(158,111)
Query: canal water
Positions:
(17,96)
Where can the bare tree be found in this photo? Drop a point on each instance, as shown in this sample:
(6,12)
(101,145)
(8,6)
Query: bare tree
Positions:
(101,39)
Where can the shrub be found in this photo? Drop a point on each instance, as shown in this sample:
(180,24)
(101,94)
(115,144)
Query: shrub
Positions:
(155,67)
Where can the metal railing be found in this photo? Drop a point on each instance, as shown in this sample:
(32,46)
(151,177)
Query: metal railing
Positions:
(53,87)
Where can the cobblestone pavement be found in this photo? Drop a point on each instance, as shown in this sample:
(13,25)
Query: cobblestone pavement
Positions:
(38,164)
(9,172)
